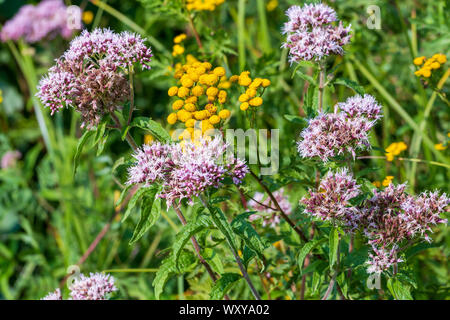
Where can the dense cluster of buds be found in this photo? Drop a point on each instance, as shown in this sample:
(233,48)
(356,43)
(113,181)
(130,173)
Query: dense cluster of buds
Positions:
(332,134)
(186,169)
(45,20)
(91,76)
(388,219)
(311,34)
(97,286)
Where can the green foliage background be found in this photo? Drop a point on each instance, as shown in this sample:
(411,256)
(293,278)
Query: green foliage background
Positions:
(48,218)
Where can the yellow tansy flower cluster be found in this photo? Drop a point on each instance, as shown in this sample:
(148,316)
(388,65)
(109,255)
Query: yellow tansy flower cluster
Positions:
(428,65)
(178,49)
(203,5)
(394,149)
(387,181)
(254,89)
(200,97)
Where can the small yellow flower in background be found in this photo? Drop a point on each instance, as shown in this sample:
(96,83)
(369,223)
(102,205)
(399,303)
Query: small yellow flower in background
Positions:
(419,60)
(272,5)
(377,184)
(440,147)
(88,16)
(177,50)
(387,181)
(179,38)
(203,5)
(1,96)
(148,139)
(427,65)
(394,149)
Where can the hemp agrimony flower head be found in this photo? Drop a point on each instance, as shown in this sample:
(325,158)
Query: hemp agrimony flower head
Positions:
(97,286)
(34,23)
(187,169)
(331,202)
(269,213)
(332,134)
(91,76)
(360,106)
(382,259)
(311,34)
(55,295)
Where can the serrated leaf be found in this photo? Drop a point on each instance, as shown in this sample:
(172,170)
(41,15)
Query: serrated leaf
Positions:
(223,285)
(188,230)
(154,127)
(83,140)
(305,77)
(221,222)
(101,144)
(133,201)
(246,232)
(399,290)
(333,245)
(150,212)
(350,84)
(214,259)
(166,269)
(306,249)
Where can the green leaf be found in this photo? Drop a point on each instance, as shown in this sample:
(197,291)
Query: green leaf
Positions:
(399,290)
(188,230)
(166,269)
(154,127)
(214,259)
(221,222)
(150,212)
(295,119)
(83,140)
(350,84)
(134,199)
(223,285)
(246,232)
(306,249)
(123,194)
(333,243)
(101,144)
(305,77)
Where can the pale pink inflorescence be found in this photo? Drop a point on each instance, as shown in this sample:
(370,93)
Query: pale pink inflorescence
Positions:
(185,170)
(97,286)
(45,20)
(266,208)
(332,134)
(311,34)
(55,295)
(332,201)
(360,106)
(9,159)
(91,74)
(389,219)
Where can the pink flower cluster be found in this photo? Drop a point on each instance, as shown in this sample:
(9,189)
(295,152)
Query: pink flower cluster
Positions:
(388,219)
(333,134)
(91,77)
(360,106)
(311,35)
(332,201)
(266,208)
(34,23)
(97,286)
(185,170)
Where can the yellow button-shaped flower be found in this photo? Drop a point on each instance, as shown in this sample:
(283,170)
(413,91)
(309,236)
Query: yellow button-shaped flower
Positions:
(224,114)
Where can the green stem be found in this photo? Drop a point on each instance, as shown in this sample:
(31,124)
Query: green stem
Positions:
(241,33)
